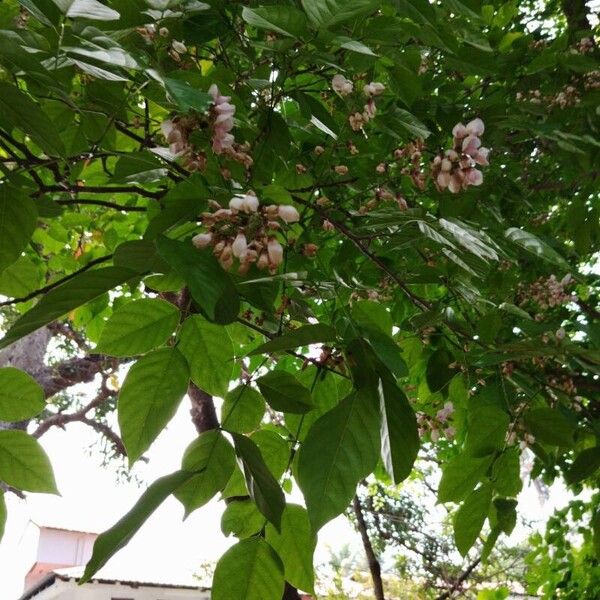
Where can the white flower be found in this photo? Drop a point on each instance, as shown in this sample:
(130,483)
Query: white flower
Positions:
(373,89)
(481,157)
(288,213)
(475,127)
(443,179)
(179,47)
(560,333)
(470,144)
(236,203)
(446,165)
(239,246)
(251,202)
(341,85)
(202,240)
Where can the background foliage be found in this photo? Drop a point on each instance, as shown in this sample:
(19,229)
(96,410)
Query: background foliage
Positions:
(348,301)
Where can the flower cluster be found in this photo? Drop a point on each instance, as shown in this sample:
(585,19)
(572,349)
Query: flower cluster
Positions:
(345,87)
(568,96)
(434,425)
(177,132)
(547,293)
(245,231)
(455,169)
(412,154)
(223,121)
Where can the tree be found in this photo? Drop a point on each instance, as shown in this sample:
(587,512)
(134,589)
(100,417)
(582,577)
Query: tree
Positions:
(288,205)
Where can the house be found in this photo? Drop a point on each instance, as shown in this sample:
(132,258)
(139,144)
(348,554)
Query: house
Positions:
(59,564)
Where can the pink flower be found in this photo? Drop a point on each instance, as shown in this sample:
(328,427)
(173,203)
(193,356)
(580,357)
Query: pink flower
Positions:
(475,127)
(275,252)
(470,144)
(341,85)
(288,213)
(239,246)
(473,177)
(202,240)
(373,89)
(443,179)
(459,131)
(481,157)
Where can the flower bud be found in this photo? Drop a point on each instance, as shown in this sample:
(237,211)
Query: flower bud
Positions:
(560,333)
(239,246)
(202,240)
(163,32)
(475,127)
(263,260)
(459,131)
(319,150)
(446,165)
(179,47)
(341,85)
(251,202)
(275,252)
(288,213)
(341,169)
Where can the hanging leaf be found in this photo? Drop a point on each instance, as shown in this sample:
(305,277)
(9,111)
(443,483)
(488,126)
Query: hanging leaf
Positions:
(242,519)
(533,244)
(460,476)
(486,430)
(399,432)
(243,409)
(250,570)
(262,486)
(209,351)
(21,396)
(87,9)
(470,518)
(295,546)
(326,13)
(118,536)
(285,20)
(149,398)
(506,473)
(24,464)
(340,449)
(284,392)
(586,463)
(549,426)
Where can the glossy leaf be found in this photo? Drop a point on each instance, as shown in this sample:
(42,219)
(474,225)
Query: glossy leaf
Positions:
(303,336)
(326,13)
(242,519)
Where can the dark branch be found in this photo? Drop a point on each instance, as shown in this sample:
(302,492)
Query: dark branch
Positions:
(103,203)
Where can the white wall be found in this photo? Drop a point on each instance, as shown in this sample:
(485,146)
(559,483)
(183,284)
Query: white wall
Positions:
(62,547)
(69,590)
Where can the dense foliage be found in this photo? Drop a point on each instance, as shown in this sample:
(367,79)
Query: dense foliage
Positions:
(291,206)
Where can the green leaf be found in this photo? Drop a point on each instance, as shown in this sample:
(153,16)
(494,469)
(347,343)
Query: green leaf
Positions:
(506,473)
(533,244)
(139,255)
(250,570)
(439,374)
(3,515)
(460,476)
(22,113)
(399,122)
(69,295)
(388,352)
(274,450)
(243,409)
(242,519)
(326,13)
(212,459)
(20,279)
(262,486)
(584,466)
(285,20)
(186,97)
(399,432)
(21,396)
(210,286)
(18,219)
(137,327)
(209,351)
(149,398)
(303,336)
(341,448)
(295,546)
(503,515)
(470,518)
(549,426)
(24,464)
(87,9)
(486,430)
(284,392)
(118,536)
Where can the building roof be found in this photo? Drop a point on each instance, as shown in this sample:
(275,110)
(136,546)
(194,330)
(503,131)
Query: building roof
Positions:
(106,577)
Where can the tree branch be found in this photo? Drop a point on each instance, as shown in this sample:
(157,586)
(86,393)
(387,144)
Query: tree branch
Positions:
(460,580)
(103,203)
(374,565)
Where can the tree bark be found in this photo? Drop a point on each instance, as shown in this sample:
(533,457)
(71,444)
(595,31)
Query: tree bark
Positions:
(374,565)
(576,12)
(204,415)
